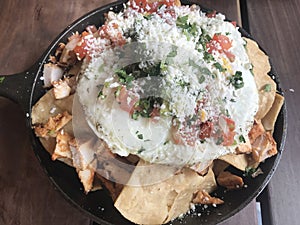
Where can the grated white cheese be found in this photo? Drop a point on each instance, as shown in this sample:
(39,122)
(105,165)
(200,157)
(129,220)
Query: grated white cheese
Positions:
(188,82)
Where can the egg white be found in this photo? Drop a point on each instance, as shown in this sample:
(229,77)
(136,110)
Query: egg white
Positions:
(150,140)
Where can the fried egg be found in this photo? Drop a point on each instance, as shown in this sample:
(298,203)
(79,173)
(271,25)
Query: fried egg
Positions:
(179,92)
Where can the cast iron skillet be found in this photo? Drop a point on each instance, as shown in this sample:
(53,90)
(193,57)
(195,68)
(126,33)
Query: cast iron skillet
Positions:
(26,88)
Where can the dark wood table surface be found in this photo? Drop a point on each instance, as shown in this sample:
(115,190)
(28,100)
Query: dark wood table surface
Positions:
(28,27)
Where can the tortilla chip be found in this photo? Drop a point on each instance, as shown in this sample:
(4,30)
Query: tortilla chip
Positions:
(269,120)
(239,161)
(139,203)
(219,166)
(181,203)
(49,145)
(230,181)
(202,197)
(265,84)
(48,106)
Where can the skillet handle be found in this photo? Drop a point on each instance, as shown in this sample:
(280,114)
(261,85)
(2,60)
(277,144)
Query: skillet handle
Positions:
(18,87)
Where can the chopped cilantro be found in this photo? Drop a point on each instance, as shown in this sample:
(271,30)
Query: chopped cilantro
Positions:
(202,70)
(2,79)
(208,57)
(163,66)
(140,136)
(117,92)
(100,93)
(183,83)
(148,17)
(182,22)
(166,142)
(146,106)
(237,80)
(173,52)
(204,38)
(135,115)
(201,79)
(141,150)
(242,139)
(188,29)
(249,171)
(267,88)
(124,78)
(219,67)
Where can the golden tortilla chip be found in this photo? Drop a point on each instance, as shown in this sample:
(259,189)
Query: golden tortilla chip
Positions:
(160,202)
(239,161)
(265,84)
(269,120)
(219,166)
(48,106)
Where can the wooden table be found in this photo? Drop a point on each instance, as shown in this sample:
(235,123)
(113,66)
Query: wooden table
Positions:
(28,27)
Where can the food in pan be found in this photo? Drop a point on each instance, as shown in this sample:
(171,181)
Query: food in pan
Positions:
(156,104)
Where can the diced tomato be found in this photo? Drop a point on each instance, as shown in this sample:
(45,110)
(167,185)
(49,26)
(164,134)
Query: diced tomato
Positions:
(81,49)
(222,40)
(220,43)
(229,55)
(211,14)
(111,33)
(206,130)
(155,114)
(127,100)
(233,23)
(177,139)
(150,6)
(228,135)
(186,134)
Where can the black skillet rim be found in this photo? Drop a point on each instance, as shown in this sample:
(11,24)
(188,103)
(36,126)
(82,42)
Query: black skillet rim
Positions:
(43,156)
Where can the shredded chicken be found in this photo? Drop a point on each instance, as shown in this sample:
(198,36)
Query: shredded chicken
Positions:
(62,148)
(82,154)
(202,197)
(230,181)
(51,73)
(53,125)
(244,147)
(61,89)
(86,177)
(264,147)
(257,130)
(59,50)
(68,56)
